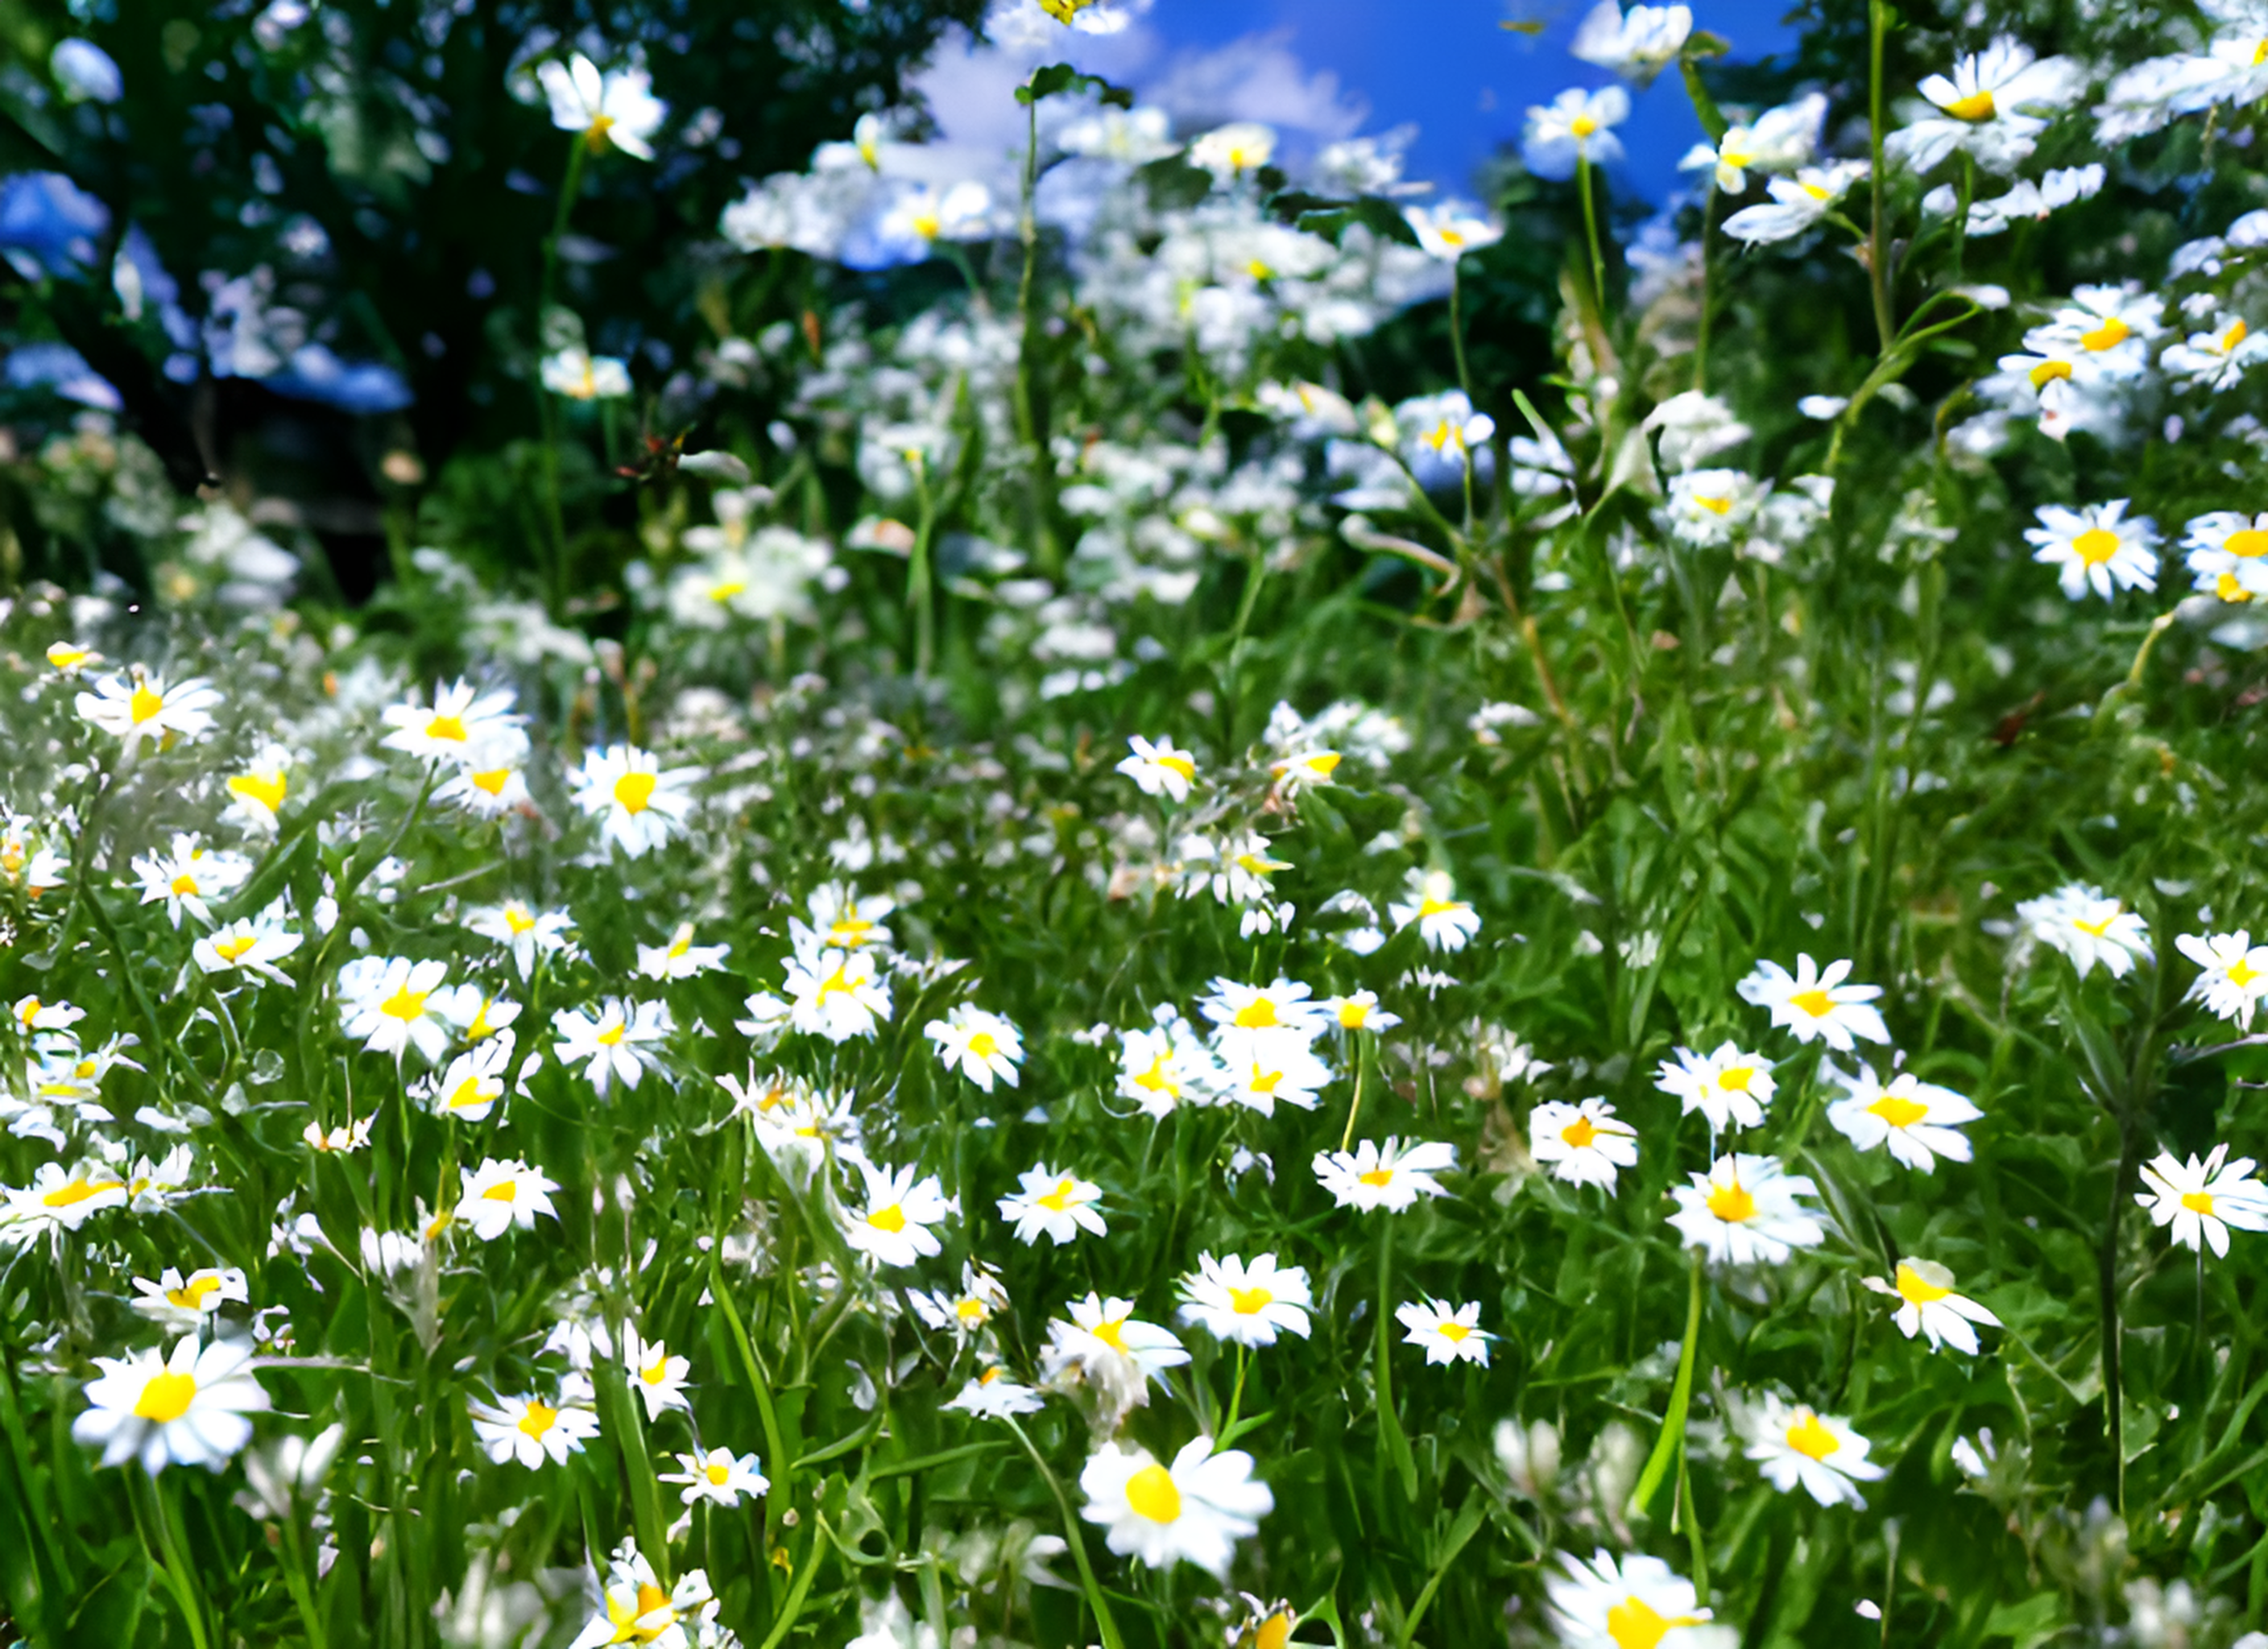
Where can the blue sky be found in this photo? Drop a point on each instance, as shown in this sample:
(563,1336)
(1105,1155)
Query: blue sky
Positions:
(1318,70)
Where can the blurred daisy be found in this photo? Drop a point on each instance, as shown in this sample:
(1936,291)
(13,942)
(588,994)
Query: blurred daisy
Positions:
(893,1229)
(474,1084)
(984,1045)
(1991,106)
(69,658)
(140,706)
(1575,126)
(1233,150)
(1113,1351)
(1730,1087)
(524,931)
(1196,1509)
(2110,327)
(1584,1144)
(1241,1011)
(499,1194)
(1444,921)
(1059,1205)
(1446,232)
(2202,1200)
(187,1303)
(717,1477)
(637,802)
(1247,1305)
(2217,357)
(1813,1004)
(461,719)
(188,876)
(530,1430)
(1638,1604)
(492,780)
(658,1378)
(981,1298)
(2233,976)
(992,1396)
(59,1199)
(185,1409)
(616,109)
(1779,140)
(1635,44)
(1448,1333)
(1799,1446)
(619,1043)
(1709,507)
(2089,927)
(248,946)
(1745,1211)
(634,1608)
(681,958)
(836,994)
(1159,769)
(2228,553)
(1388,1176)
(1164,1068)
(843,919)
(256,796)
(1927,1304)
(575,374)
(348,1137)
(1798,203)
(1360,1011)
(2094,548)
(1919,1122)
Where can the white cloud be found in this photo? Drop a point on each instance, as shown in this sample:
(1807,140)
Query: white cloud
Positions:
(1258,79)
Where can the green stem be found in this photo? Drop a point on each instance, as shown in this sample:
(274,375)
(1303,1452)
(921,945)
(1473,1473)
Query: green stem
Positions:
(297,1577)
(1457,325)
(1669,1447)
(1027,408)
(1591,233)
(570,187)
(1103,1623)
(782,1489)
(918,580)
(1236,1397)
(805,1573)
(181,1579)
(1346,1140)
(1878,18)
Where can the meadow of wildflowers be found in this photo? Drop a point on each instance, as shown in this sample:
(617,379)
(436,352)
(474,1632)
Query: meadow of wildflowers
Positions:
(1149,892)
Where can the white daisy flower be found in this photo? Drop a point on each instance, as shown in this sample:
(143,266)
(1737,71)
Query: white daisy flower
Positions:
(2228,553)
(634,1608)
(389,1003)
(188,876)
(992,1396)
(1059,1205)
(1165,1068)
(985,1046)
(491,780)
(1449,1333)
(619,1043)
(1196,1509)
(1388,1176)
(981,1298)
(1584,1144)
(1708,507)
(639,804)
(1812,1003)
(2202,1200)
(461,720)
(894,1228)
(256,796)
(1919,1122)
(681,958)
(1800,1445)
(616,109)
(1446,232)
(1575,126)
(2233,976)
(1637,1603)
(835,993)
(474,1084)
(1798,203)
(1111,1350)
(2088,926)
(499,1194)
(844,920)
(251,945)
(1637,44)
(1160,769)
(717,1477)
(187,1303)
(1745,1211)
(1991,106)
(2110,327)
(658,1378)
(2094,548)
(1247,1305)
(531,1431)
(184,1409)
(58,1200)
(1779,140)
(1927,1304)
(139,706)
(1360,1011)
(523,931)
(1731,1087)
(2216,358)
(1260,1069)
(1444,921)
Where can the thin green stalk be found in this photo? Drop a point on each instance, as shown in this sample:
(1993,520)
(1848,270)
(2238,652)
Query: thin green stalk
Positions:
(570,187)
(805,1572)
(1103,1622)
(1591,233)
(1877,22)
(1457,325)
(1236,1397)
(917,579)
(181,1579)
(1389,1420)
(296,1576)
(1346,1140)
(782,1489)
(1668,1448)
(1027,408)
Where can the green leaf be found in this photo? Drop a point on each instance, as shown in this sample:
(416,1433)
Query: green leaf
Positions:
(1060,77)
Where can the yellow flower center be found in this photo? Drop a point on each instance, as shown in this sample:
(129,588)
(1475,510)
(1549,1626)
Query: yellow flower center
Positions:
(1377,1178)
(2095,546)
(1432,906)
(1266,1081)
(1583,125)
(69,1194)
(2112,332)
(2241,972)
(849,932)
(656,1373)
(1112,1332)
(266,789)
(1150,1492)
(1179,764)
(451,728)
(185,885)
(516,918)
(1732,1204)
(191,1295)
(612,1036)
(717,1475)
(2097,929)
(1735,1078)
(145,704)
(984,1045)
(2236,334)
(503,1191)
(1250,1302)
(466,1094)
(1580,1132)
(1807,1437)
(1815,1002)
(1633,1625)
(2198,1202)
(1275,1633)
(2229,589)
(970,1309)
(235,948)
(540,1419)
(2047,371)
(1916,1289)
(2246,542)
(892,1219)
(725,589)
(404,1004)
(1065,1193)
(1155,1080)
(1258,1014)
(634,792)
(1898,1111)
(166,1398)
(1455,1333)
(491,780)
(1976,108)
